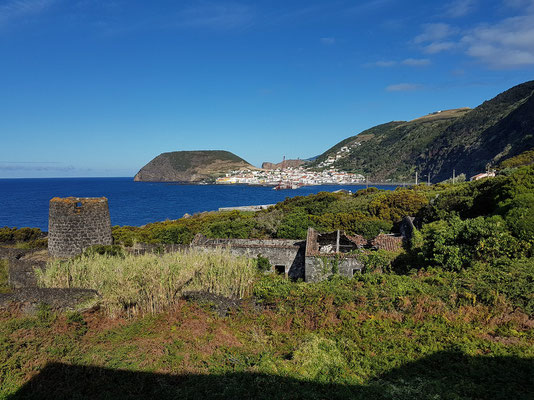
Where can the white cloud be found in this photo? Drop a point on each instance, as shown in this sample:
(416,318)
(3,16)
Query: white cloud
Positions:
(382,64)
(14,9)
(435,32)
(438,47)
(404,87)
(216,15)
(460,8)
(409,62)
(328,41)
(416,62)
(507,44)
(524,4)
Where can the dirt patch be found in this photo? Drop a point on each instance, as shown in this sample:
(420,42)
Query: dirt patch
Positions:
(40,256)
(57,299)
(220,304)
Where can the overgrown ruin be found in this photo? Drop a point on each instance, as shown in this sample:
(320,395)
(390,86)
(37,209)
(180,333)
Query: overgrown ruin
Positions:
(318,257)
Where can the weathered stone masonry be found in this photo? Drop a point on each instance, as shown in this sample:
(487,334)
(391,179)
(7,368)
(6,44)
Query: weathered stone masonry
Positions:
(330,253)
(286,256)
(76,223)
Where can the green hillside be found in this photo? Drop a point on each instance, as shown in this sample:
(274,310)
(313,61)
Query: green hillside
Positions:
(185,160)
(191,166)
(467,141)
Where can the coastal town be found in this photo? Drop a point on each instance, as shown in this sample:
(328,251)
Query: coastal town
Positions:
(290,177)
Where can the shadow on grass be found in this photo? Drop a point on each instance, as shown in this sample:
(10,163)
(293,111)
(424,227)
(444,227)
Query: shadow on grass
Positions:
(443,375)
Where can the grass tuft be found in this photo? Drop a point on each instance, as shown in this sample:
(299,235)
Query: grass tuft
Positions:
(151,283)
(4,277)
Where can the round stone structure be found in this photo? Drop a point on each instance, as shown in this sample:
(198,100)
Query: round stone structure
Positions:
(76,223)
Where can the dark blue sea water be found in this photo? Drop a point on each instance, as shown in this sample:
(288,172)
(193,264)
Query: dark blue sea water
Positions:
(24,202)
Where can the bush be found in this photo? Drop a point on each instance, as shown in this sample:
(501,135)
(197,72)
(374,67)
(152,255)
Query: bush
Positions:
(378,261)
(294,226)
(320,360)
(519,215)
(104,250)
(513,279)
(394,206)
(4,277)
(456,243)
(263,264)
(175,234)
(19,235)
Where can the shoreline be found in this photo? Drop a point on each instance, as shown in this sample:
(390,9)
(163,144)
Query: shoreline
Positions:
(368,184)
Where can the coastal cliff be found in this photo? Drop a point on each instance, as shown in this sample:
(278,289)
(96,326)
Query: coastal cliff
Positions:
(190,166)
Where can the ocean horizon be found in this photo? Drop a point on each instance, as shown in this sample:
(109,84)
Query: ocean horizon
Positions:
(24,202)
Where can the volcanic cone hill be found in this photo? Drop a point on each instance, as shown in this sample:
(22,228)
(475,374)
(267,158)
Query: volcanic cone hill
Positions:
(191,166)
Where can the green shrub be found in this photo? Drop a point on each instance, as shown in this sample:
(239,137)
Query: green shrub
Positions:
(294,225)
(355,223)
(378,261)
(19,234)
(263,264)
(519,215)
(319,359)
(513,279)
(26,234)
(104,250)
(175,234)
(456,243)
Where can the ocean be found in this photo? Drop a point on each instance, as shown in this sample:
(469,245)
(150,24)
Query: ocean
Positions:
(24,202)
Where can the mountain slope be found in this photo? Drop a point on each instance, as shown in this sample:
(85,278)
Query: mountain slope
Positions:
(498,129)
(462,139)
(388,151)
(190,166)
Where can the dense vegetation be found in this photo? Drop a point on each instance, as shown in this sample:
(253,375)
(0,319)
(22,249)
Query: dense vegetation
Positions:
(451,317)
(152,282)
(368,212)
(387,151)
(22,237)
(465,141)
(525,158)
(184,160)
(429,335)
(495,212)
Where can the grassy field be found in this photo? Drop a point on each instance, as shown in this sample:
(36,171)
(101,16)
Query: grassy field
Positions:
(429,335)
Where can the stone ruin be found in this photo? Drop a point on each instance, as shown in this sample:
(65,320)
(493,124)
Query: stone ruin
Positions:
(76,223)
(316,258)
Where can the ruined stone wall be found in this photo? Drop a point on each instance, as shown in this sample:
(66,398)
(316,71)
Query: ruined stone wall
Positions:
(76,223)
(279,252)
(318,268)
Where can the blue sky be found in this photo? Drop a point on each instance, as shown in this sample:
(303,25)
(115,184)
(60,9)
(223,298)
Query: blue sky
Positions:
(99,88)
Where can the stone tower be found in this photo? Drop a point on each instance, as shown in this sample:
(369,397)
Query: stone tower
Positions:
(76,223)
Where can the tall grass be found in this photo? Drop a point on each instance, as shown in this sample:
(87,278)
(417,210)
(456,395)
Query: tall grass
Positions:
(152,282)
(4,277)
